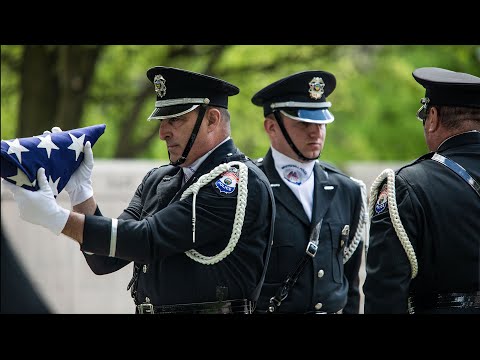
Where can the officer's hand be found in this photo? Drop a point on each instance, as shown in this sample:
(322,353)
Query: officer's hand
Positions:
(39,207)
(79,187)
(55,129)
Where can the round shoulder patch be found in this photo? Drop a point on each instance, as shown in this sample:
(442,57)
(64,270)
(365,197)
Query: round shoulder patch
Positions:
(382,200)
(228,181)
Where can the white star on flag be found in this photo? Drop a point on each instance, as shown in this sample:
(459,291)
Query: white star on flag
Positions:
(53,185)
(47,144)
(77,144)
(16,148)
(21,179)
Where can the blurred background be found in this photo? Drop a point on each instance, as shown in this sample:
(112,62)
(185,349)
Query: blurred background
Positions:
(73,86)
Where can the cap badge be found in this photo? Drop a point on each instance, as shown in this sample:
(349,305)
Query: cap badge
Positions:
(316,88)
(160,87)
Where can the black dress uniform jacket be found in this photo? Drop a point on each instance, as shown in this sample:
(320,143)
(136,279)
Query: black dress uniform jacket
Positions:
(441,216)
(324,279)
(155,230)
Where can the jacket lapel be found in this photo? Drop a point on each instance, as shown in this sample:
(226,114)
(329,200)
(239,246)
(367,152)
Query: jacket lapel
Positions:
(323,194)
(169,186)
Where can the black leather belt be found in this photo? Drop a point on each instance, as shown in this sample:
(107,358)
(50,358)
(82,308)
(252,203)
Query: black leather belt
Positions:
(241,306)
(444,301)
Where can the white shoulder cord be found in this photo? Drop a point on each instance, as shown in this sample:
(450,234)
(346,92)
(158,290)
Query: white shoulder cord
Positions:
(239,213)
(362,224)
(396,221)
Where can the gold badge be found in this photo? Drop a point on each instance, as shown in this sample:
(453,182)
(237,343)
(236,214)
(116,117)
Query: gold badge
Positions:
(316,88)
(160,87)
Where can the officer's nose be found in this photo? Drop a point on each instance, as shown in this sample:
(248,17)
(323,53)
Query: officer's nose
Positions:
(164,131)
(315,129)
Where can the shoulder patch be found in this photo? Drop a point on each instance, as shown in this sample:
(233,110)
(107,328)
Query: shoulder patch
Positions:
(227,183)
(382,200)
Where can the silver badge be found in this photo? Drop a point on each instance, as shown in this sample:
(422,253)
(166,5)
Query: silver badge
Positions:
(316,88)
(160,87)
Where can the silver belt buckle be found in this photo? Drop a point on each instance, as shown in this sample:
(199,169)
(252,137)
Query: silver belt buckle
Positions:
(145,308)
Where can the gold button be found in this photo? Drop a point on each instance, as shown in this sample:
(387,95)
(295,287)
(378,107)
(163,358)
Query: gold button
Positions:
(321,273)
(318,306)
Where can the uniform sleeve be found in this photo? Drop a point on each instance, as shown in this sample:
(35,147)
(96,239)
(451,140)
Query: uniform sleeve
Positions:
(101,264)
(166,232)
(352,272)
(352,266)
(387,265)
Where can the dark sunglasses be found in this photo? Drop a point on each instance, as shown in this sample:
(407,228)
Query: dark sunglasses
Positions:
(423,111)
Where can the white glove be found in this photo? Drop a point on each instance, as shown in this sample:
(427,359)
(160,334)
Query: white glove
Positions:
(79,187)
(39,207)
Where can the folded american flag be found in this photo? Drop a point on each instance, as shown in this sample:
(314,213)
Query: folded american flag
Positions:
(59,153)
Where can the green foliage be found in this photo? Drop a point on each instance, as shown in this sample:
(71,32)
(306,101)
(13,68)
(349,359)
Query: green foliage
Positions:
(11,57)
(374,103)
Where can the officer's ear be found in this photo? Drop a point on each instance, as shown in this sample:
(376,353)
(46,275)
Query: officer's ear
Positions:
(433,121)
(270,124)
(213,118)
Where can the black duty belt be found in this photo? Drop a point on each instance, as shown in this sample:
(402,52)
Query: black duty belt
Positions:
(444,301)
(241,306)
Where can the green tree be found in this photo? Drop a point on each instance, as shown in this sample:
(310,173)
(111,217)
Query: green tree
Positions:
(78,85)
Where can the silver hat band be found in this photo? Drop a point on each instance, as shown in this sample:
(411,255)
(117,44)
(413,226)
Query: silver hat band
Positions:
(163,103)
(295,104)
(163,117)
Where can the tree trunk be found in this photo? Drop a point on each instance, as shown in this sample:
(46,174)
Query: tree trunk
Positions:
(54,86)
(38,91)
(75,69)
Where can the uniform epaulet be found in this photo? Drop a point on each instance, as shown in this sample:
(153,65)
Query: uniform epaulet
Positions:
(258,162)
(153,170)
(416,161)
(331,167)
